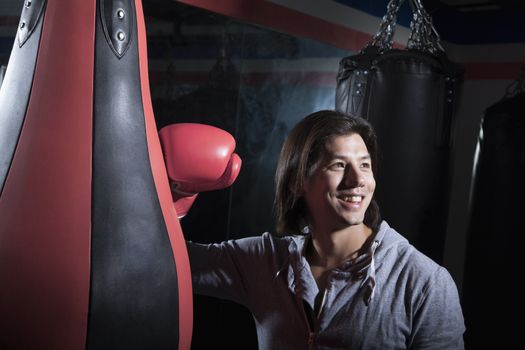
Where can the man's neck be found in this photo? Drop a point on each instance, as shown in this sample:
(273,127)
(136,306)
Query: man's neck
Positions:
(331,248)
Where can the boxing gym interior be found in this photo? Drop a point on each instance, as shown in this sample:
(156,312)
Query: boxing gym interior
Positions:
(453,155)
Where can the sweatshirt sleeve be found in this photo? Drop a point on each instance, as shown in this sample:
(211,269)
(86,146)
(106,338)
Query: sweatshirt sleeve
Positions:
(438,322)
(227,270)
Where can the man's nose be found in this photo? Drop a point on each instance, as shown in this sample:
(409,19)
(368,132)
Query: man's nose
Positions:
(352,177)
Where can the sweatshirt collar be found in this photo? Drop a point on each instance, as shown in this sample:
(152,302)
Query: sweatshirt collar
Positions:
(301,281)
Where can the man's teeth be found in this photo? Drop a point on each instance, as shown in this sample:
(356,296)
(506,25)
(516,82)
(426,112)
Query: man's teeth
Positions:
(352,198)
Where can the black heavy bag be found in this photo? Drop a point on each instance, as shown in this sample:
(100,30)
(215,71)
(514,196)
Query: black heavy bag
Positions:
(409,97)
(496,225)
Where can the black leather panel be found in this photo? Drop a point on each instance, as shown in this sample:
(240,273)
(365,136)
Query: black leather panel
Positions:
(134,290)
(14,97)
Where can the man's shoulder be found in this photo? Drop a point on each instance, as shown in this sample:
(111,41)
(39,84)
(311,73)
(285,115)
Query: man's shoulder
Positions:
(396,248)
(267,242)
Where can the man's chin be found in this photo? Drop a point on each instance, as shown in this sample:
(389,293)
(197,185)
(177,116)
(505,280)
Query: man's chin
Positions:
(353,221)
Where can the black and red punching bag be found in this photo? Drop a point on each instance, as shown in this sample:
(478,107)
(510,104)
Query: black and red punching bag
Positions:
(91,251)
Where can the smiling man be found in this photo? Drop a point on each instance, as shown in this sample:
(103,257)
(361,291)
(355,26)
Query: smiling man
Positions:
(336,276)
(337,196)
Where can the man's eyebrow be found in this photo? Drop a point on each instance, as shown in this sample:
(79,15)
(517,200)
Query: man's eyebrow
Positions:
(340,156)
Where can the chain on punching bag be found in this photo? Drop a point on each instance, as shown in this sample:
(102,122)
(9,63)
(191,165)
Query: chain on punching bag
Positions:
(91,251)
(409,97)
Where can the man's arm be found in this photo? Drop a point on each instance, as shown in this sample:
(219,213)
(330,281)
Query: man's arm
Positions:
(438,322)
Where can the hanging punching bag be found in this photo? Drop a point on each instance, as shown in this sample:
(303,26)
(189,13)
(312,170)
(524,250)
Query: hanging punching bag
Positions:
(496,226)
(408,95)
(91,252)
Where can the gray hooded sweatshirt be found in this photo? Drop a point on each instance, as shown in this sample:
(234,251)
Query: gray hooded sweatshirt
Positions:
(393,297)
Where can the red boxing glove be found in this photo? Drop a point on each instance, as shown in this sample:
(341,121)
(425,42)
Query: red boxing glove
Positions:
(198,158)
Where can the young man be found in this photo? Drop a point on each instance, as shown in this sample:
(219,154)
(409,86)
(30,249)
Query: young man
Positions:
(336,276)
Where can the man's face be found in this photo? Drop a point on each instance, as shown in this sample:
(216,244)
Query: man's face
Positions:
(340,189)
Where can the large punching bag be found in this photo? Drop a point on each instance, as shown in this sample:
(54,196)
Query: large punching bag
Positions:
(495,227)
(409,96)
(91,251)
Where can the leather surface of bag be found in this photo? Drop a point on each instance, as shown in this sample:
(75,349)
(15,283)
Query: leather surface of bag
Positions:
(409,96)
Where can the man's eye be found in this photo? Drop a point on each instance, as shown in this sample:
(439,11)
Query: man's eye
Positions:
(366,165)
(338,165)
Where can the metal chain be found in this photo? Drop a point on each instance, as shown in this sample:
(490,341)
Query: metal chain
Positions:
(423,35)
(384,36)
